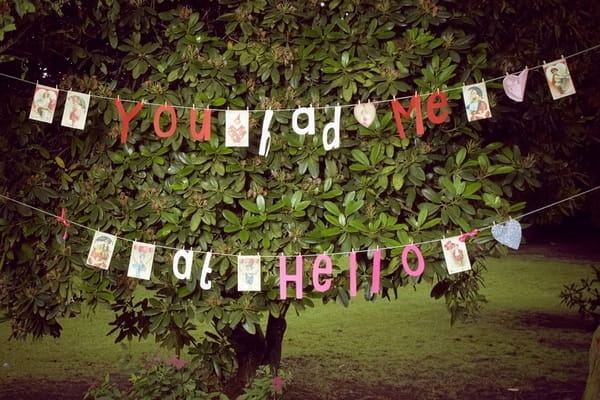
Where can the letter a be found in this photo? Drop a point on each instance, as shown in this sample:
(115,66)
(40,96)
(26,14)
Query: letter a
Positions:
(188,256)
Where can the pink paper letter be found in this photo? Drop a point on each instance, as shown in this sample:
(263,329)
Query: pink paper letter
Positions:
(205,130)
(399,112)
(126,117)
(318,270)
(352,274)
(421,261)
(376,271)
(432,105)
(157,115)
(284,278)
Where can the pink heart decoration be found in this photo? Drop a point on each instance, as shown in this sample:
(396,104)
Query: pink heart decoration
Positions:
(364,113)
(514,85)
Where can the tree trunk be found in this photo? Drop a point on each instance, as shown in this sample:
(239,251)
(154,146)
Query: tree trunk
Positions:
(252,351)
(275,331)
(592,388)
(249,350)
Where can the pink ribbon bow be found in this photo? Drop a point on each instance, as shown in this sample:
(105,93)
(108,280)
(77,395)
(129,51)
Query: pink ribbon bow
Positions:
(463,237)
(66,223)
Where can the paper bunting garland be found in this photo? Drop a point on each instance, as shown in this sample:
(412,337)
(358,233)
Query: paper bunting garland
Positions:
(76,108)
(456,255)
(237,126)
(43,104)
(514,85)
(140,262)
(249,274)
(509,234)
(559,79)
(476,102)
(101,250)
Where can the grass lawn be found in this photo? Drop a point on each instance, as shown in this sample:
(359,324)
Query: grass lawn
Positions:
(525,344)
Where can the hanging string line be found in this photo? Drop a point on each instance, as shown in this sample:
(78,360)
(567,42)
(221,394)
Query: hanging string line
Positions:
(316,108)
(304,255)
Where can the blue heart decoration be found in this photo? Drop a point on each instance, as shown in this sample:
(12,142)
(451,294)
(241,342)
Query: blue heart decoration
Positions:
(509,233)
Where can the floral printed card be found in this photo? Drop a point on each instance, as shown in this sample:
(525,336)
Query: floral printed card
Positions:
(237,128)
(456,255)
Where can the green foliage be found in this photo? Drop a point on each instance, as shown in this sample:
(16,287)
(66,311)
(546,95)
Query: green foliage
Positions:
(558,136)
(584,296)
(157,379)
(266,385)
(376,191)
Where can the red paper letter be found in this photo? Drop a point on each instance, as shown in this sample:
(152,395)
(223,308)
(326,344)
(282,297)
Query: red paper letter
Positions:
(352,274)
(157,115)
(421,261)
(432,105)
(376,271)
(284,278)
(205,130)
(126,117)
(399,112)
(318,270)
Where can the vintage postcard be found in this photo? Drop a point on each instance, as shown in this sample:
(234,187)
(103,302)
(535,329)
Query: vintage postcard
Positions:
(249,274)
(101,250)
(43,104)
(559,79)
(456,255)
(76,108)
(477,105)
(237,128)
(140,262)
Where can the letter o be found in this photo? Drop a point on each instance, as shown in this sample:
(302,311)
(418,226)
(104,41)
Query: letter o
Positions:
(421,261)
(157,114)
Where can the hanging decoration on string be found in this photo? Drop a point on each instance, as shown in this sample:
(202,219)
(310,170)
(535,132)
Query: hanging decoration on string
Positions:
(76,108)
(514,85)
(365,113)
(476,102)
(237,126)
(509,233)
(101,250)
(248,273)
(456,255)
(140,262)
(559,79)
(43,104)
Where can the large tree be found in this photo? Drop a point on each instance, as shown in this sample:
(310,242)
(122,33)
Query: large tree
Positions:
(377,190)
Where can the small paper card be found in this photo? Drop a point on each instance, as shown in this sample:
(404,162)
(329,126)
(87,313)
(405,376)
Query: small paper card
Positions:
(101,250)
(249,274)
(237,126)
(43,104)
(140,262)
(456,255)
(76,108)
(476,102)
(559,79)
